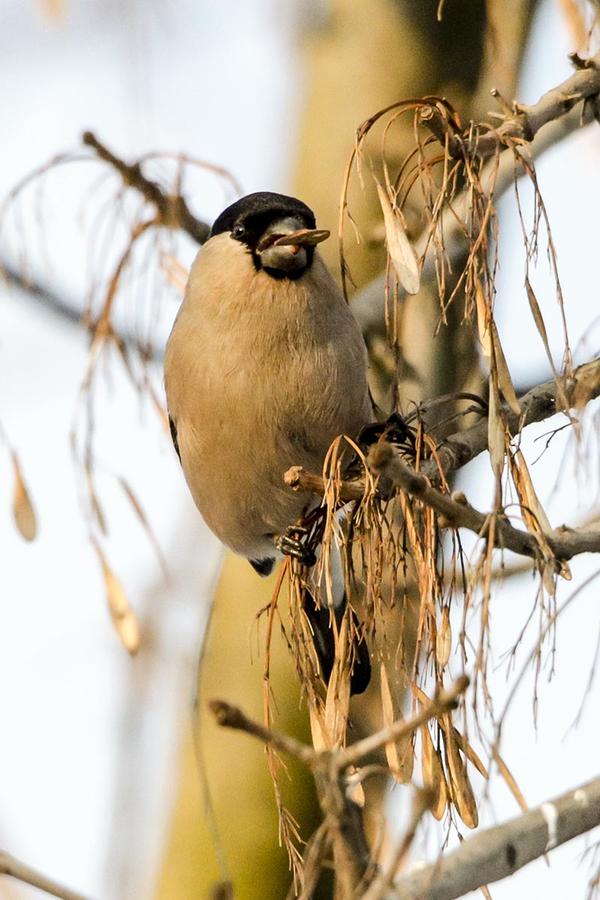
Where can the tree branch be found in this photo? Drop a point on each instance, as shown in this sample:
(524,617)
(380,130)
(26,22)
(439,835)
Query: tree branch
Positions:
(538,404)
(367,304)
(341,815)
(528,120)
(343,758)
(499,852)
(564,543)
(10,865)
(299,479)
(231,717)
(443,702)
(172,209)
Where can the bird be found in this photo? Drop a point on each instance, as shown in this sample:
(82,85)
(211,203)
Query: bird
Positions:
(264,367)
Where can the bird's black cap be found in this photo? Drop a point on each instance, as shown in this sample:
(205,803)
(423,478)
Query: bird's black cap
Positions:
(259,210)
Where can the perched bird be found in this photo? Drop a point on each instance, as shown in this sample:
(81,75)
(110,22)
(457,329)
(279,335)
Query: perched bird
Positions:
(264,367)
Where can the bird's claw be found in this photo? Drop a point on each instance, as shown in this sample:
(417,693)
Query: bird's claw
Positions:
(291,543)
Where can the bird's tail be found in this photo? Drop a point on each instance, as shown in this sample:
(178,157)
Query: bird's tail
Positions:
(320,619)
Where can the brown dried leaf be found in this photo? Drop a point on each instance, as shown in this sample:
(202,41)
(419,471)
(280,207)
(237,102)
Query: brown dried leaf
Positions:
(535,517)
(399,754)
(462,792)
(443,641)
(400,249)
(23,511)
(433,775)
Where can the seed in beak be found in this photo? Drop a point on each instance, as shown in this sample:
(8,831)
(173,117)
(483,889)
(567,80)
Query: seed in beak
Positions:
(305,236)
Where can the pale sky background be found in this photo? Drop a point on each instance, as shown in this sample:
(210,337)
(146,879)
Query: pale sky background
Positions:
(185,75)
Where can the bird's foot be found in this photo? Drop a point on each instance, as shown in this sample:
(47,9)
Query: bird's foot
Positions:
(292,543)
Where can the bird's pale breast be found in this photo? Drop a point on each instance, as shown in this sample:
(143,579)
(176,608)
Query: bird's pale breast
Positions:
(260,374)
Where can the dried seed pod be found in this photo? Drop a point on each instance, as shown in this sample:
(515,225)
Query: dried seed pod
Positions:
(503,374)
(399,754)
(510,781)
(337,702)
(23,511)
(433,775)
(122,615)
(463,797)
(317,729)
(496,444)
(443,641)
(400,249)
(482,320)
(468,751)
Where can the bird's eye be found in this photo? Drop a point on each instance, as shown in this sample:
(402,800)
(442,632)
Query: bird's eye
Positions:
(238,231)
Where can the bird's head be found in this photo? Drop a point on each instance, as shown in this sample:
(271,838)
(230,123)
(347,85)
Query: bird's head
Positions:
(278,231)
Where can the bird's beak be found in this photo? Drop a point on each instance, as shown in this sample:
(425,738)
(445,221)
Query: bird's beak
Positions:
(294,239)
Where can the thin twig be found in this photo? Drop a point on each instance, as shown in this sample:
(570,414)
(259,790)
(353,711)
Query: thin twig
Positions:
(10,865)
(172,209)
(299,479)
(441,703)
(380,885)
(231,717)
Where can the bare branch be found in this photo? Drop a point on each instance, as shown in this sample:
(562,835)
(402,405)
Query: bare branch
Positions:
(367,304)
(423,801)
(441,703)
(299,479)
(38,292)
(231,717)
(555,103)
(60,307)
(10,865)
(564,543)
(499,852)
(172,210)
(538,404)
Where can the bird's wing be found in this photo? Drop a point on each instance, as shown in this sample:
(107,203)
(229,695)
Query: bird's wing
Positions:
(173,429)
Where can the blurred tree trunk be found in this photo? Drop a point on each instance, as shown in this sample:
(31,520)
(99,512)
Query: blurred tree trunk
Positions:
(358,58)
(235,765)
